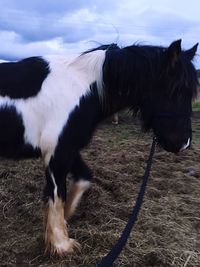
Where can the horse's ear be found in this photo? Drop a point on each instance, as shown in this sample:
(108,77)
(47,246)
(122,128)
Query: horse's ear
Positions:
(173,52)
(190,53)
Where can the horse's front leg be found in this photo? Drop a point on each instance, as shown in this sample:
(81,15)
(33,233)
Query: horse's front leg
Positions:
(56,236)
(81,180)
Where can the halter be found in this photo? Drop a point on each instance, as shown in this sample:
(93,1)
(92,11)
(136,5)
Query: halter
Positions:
(109,259)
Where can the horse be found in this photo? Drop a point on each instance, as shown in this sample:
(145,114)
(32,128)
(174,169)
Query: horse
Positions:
(50,107)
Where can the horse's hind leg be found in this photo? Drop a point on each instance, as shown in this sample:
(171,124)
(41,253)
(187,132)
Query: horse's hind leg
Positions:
(56,235)
(80,183)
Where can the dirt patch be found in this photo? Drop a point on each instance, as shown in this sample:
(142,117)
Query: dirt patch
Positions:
(168,229)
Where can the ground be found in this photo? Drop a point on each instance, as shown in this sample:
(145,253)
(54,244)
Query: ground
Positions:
(167,232)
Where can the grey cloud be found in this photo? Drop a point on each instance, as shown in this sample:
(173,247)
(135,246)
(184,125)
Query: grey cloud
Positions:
(59,7)
(37,23)
(166,24)
(43,20)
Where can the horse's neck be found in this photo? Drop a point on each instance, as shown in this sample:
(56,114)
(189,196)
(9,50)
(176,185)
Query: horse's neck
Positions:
(114,103)
(118,98)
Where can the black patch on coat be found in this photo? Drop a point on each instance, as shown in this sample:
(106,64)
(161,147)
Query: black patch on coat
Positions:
(23,79)
(12,135)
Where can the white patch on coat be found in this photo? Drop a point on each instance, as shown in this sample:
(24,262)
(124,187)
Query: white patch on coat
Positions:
(81,187)
(185,145)
(55,185)
(76,191)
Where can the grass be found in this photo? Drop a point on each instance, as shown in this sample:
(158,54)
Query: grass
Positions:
(196,122)
(196,107)
(196,130)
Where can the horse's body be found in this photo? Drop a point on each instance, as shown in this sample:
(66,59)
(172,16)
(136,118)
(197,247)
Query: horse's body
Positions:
(42,113)
(51,107)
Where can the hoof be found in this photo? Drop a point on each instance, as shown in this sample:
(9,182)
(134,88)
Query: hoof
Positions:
(64,248)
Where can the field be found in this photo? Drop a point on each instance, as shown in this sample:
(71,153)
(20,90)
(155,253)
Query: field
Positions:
(167,232)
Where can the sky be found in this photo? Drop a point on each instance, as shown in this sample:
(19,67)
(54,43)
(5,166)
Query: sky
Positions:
(41,27)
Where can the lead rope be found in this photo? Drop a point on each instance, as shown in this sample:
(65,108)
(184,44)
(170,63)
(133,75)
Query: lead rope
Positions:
(108,260)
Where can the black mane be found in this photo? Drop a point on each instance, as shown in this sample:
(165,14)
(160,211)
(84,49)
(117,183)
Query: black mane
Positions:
(112,46)
(137,72)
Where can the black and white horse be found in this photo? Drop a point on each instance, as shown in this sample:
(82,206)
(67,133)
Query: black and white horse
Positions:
(50,107)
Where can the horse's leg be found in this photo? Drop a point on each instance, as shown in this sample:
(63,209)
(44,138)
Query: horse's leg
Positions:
(56,235)
(80,183)
(115,118)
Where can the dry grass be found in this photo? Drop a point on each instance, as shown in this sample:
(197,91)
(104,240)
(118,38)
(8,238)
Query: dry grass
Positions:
(168,229)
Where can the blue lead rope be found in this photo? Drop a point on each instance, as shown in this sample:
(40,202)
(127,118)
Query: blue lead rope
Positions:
(108,260)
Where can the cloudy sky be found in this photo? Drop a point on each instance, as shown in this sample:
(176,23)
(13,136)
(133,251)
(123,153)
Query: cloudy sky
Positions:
(39,27)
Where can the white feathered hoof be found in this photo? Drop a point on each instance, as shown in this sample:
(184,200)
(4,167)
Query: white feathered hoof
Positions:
(65,247)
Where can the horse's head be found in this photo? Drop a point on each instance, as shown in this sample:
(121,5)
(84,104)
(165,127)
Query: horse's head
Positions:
(169,108)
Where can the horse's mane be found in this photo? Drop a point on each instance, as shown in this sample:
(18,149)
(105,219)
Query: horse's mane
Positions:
(143,63)
(102,47)
(135,71)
